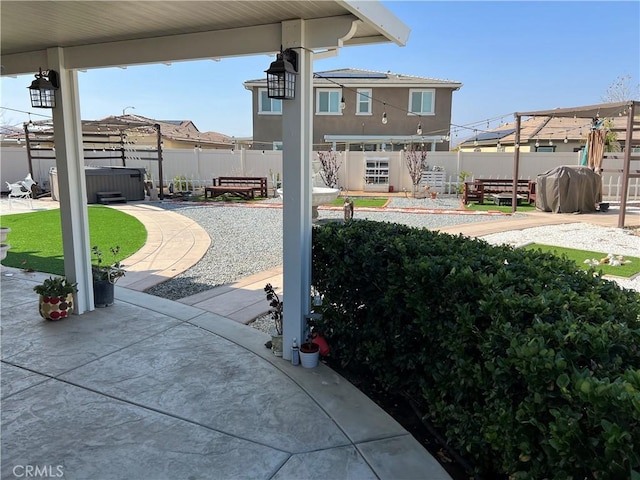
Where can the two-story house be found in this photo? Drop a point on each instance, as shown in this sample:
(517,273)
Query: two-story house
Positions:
(363,110)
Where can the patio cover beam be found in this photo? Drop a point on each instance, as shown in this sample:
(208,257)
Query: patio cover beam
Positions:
(76,47)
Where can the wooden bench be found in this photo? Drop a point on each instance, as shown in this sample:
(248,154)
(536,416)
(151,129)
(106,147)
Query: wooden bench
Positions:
(245,187)
(479,188)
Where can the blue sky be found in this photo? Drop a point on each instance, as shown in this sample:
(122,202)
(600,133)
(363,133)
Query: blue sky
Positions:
(510,56)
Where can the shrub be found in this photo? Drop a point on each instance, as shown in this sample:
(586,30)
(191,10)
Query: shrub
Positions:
(529,365)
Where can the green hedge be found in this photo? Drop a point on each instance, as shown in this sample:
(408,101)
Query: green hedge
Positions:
(529,365)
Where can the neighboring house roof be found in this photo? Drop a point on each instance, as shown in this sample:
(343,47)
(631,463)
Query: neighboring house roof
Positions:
(354,78)
(177,130)
(555,129)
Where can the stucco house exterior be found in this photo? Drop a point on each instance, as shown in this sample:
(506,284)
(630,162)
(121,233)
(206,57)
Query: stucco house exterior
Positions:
(363,110)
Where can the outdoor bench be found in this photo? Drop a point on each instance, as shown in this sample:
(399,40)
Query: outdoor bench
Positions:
(480,187)
(245,187)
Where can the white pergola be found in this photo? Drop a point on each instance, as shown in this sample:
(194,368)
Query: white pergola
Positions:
(71,36)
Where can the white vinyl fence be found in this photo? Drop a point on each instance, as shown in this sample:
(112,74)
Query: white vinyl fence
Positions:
(193,169)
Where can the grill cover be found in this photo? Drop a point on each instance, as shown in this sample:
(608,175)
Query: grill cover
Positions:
(568,189)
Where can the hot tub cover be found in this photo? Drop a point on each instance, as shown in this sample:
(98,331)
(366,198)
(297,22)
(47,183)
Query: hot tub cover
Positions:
(568,189)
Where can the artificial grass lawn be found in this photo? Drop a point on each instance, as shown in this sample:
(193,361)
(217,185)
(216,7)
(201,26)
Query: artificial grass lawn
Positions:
(36,237)
(485,207)
(579,256)
(362,202)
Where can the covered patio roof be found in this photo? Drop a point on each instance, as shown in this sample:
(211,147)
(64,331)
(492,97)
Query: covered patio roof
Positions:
(116,33)
(72,36)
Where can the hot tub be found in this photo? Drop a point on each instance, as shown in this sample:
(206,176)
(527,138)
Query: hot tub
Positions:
(126,180)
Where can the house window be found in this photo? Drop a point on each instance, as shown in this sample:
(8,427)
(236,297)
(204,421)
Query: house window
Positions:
(363,106)
(377,171)
(546,148)
(422,102)
(268,106)
(328,101)
(277,145)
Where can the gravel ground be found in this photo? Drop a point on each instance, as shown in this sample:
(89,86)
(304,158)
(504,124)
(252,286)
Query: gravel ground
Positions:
(239,249)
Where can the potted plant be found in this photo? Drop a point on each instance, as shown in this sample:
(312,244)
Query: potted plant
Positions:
(315,346)
(309,354)
(276,313)
(56,298)
(105,276)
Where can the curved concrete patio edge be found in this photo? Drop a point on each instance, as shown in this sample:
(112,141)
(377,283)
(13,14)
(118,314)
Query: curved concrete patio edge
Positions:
(174,244)
(388,449)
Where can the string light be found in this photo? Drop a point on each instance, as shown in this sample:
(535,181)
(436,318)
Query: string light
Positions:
(384,114)
(537,143)
(419,129)
(566,139)
(343,104)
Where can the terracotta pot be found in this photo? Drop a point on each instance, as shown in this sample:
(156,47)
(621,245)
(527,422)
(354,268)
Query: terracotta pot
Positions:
(56,308)
(309,355)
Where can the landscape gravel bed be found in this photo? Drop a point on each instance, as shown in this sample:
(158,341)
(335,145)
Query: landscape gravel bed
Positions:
(247,240)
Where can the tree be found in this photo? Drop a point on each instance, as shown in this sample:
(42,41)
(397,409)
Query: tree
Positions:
(416,161)
(622,90)
(330,166)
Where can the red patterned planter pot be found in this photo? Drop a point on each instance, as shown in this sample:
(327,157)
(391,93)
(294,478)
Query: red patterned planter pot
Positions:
(56,308)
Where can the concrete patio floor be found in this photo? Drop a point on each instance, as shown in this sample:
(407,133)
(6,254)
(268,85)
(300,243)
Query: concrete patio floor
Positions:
(154,389)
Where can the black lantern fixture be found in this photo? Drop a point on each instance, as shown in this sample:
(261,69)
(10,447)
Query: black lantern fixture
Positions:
(43,89)
(281,76)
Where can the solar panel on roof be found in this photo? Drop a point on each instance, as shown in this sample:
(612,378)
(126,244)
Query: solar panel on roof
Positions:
(495,135)
(351,75)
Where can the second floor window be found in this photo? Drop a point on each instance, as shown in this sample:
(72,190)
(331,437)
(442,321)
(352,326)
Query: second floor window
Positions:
(422,102)
(328,101)
(269,106)
(364,101)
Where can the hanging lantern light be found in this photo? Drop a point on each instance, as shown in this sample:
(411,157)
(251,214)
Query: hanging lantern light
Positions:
(281,76)
(43,89)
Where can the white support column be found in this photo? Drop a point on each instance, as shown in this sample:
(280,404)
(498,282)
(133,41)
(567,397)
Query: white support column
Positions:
(71,178)
(297,124)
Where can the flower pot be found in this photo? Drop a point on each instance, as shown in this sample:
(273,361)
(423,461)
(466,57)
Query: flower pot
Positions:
(4,247)
(276,345)
(102,293)
(433,195)
(3,233)
(309,355)
(56,308)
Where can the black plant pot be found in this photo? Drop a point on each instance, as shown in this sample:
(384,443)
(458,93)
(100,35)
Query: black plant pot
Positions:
(102,293)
